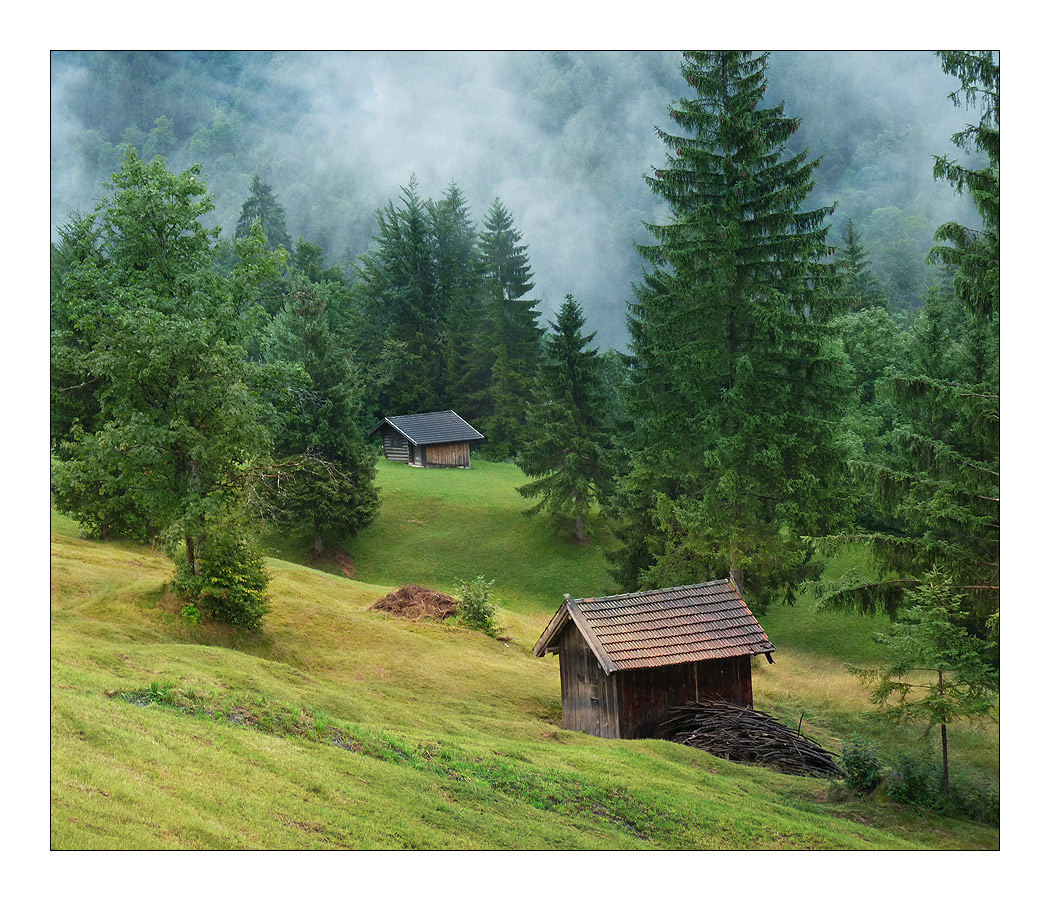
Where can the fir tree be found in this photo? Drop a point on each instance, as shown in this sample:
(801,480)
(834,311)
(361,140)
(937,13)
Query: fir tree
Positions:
(457,279)
(937,673)
(739,383)
(324,479)
(400,308)
(262,207)
(939,492)
(565,435)
(513,355)
(975,254)
(859,283)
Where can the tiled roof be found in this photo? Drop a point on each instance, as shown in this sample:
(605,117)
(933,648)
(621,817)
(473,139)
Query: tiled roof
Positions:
(662,627)
(433,428)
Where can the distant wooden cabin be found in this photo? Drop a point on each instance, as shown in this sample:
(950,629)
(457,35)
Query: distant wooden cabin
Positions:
(428,439)
(627,659)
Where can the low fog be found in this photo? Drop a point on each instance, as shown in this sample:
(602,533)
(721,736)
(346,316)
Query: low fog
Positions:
(563,139)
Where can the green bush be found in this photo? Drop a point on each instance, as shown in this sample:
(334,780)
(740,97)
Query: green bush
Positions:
(477,608)
(230,581)
(860,763)
(915,780)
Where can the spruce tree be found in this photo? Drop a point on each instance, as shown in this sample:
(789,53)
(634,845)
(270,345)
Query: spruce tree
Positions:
(400,309)
(514,352)
(936,672)
(974,254)
(565,433)
(457,279)
(327,486)
(859,283)
(739,383)
(262,207)
(939,492)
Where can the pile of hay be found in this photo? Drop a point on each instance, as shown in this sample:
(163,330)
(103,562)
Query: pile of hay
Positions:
(413,602)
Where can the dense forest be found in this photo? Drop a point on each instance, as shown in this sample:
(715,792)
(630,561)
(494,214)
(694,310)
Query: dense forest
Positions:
(776,332)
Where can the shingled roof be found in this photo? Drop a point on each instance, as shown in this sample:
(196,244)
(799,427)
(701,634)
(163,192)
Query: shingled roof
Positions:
(432,428)
(661,627)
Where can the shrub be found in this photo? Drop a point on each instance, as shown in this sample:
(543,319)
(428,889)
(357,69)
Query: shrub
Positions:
(477,608)
(860,763)
(915,780)
(230,581)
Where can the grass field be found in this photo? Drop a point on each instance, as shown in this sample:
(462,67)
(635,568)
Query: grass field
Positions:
(338,727)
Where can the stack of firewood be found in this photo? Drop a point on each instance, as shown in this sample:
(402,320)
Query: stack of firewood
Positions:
(744,735)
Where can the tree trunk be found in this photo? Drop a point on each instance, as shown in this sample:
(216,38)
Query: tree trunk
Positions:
(944,738)
(581,529)
(191,557)
(318,543)
(944,754)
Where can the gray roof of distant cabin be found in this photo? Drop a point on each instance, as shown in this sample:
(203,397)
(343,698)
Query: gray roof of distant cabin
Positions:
(662,627)
(432,428)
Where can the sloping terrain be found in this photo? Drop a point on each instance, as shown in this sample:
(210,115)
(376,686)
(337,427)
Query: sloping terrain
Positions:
(343,727)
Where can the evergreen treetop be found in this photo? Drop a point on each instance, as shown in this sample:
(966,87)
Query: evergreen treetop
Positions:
(738,386)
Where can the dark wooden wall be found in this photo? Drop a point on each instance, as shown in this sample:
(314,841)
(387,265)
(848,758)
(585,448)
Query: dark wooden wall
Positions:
(634,703)
(588,696)
(646,695)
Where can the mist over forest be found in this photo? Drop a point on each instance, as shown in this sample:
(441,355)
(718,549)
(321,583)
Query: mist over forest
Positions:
(562,138)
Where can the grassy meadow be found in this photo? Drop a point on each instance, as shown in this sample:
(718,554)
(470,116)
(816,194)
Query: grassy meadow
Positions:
(338,727)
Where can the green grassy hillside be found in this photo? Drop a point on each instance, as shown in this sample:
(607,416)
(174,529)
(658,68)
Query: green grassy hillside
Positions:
(338,727)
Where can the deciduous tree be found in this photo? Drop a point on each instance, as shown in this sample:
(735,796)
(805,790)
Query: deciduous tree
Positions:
(160,338)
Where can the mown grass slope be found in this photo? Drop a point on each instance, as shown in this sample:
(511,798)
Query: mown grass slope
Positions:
(338,727)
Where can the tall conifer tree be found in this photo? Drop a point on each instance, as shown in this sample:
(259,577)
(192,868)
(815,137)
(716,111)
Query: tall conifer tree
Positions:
(261,206)
(515,332)
(939,493)
(400,308)
(457,272)
(320,442)
(566,436)
(738,385)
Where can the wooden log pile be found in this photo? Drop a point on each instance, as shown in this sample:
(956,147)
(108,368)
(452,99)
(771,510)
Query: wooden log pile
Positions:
(744,735)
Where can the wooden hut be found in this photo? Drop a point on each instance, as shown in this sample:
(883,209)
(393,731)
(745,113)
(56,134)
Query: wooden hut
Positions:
(428,439)
(627,659)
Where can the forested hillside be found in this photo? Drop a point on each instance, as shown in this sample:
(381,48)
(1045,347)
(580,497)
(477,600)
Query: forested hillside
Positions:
(775,350)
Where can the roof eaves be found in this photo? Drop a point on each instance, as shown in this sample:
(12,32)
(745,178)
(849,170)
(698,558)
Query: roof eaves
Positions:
(552,630)
(593,641)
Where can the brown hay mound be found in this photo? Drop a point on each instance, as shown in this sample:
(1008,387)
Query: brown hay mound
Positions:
(414,602)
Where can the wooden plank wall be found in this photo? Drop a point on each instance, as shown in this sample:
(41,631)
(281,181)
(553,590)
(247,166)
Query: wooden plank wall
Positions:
(646,695)
(725,680)
(455,454)
(588,696)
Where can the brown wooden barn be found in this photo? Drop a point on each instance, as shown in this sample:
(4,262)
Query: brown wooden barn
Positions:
(627,659)
(428,439)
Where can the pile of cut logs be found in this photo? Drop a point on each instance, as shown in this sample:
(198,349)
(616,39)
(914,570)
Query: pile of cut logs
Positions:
(744,735)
